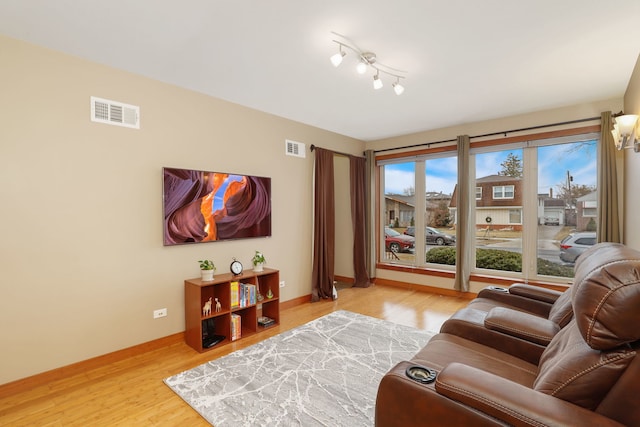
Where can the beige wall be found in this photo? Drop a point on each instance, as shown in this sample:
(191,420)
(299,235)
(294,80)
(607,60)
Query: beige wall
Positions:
(480,128)
(632,167)
(82,260)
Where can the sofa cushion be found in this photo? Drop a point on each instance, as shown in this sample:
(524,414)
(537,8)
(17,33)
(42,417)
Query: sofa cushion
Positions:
(606,295)
(570,370)
(521,325)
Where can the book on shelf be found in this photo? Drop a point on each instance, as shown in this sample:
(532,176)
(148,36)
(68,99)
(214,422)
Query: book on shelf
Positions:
(265,321)
(249,294)
(235,294)
(236,327)
(243,295)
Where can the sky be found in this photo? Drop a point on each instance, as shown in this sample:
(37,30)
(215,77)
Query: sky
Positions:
(579,158)
(218,198)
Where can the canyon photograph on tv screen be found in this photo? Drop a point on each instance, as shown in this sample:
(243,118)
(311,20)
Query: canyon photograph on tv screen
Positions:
(202,206)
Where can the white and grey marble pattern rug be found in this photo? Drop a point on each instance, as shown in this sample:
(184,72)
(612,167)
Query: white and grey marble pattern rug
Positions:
(323,373)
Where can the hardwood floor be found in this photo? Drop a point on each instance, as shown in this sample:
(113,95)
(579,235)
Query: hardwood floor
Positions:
(131,392)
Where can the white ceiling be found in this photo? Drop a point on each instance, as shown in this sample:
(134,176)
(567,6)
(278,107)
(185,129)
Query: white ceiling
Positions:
(467,60)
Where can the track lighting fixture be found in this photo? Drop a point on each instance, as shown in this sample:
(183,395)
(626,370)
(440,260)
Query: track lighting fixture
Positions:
(367,60)
(361,68)
(397,87)
(377,83)
(337,58)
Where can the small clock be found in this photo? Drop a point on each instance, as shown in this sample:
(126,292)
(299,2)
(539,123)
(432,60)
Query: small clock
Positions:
(236,267)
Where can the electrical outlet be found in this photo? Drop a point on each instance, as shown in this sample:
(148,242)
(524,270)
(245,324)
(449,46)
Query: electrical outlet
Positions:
(282,283)
(159,313)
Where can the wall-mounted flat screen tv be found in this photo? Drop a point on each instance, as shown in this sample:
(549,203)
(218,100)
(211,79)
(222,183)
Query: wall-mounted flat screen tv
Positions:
(201,206)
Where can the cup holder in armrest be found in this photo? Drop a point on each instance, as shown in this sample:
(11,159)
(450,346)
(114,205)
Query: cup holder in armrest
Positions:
(421,374)
(498,289)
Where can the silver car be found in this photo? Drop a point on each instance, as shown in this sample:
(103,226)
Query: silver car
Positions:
(574,244)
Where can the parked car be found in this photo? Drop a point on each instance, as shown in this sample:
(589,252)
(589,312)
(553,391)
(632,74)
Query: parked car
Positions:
(433,236)
(551,220)
(396,242)
(574,244)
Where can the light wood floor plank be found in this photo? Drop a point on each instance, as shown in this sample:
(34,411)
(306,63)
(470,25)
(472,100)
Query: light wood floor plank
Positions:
(131,392)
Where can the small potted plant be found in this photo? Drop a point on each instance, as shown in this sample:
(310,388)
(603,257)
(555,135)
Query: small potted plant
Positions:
(207,268)
(258,261)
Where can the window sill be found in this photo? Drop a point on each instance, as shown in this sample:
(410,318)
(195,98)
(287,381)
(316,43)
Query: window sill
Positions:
(426,271)
(482,278)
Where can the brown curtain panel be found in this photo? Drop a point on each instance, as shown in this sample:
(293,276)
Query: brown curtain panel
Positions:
(370,185)
(323,227)
(357,172)
(464,221)
(608,215)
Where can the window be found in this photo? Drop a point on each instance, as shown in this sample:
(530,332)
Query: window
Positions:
(441,175)
(587,241)
(567,203)
(541,191)
(515,216)
(406,216)
(503,192)
(498,242)
(552,194)
(402,206)
(590,208)
(399,212)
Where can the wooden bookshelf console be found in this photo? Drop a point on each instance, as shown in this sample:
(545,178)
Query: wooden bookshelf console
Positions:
(201,328)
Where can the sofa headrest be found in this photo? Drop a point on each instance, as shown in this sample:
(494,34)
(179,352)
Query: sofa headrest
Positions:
(606,295)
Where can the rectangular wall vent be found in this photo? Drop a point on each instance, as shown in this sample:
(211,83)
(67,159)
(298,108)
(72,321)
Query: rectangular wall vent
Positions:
(293,148)
(115,113)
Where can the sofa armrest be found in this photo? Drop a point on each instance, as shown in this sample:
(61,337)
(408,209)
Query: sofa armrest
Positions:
(511,402)
(522,325)
(403,402)
(502,296)
(469,323)
(534,292)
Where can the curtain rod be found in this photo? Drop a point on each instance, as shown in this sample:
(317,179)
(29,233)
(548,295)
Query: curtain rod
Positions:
(504,132)
(313,147)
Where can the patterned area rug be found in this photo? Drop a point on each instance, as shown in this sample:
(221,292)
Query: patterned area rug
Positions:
(323,373)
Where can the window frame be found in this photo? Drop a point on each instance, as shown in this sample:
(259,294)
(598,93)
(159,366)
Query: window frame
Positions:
(511,213)
(553,137)
(420,162)
(503,192)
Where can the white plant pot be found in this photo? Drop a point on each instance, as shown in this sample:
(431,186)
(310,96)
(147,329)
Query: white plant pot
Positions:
(258,267)
(207,275)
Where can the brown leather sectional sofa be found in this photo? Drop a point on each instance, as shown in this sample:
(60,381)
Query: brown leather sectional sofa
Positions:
(527,356)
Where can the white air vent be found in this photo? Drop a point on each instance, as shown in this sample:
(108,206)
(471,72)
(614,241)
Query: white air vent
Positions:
(293,148)
(115,113)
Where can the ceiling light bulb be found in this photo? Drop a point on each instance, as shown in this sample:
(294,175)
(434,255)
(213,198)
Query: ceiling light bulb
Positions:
(361,68)
(337,58)
(377,83)
(398,88)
